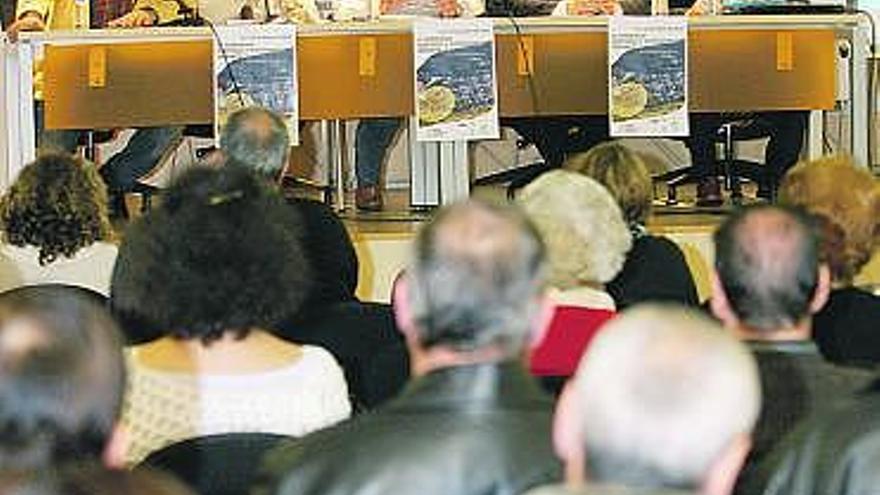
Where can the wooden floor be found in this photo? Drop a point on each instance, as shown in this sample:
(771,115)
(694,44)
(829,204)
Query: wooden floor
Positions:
(398,218)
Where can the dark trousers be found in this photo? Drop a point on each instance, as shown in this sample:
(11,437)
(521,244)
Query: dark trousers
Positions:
(785,129)
(146,149)
(559,137)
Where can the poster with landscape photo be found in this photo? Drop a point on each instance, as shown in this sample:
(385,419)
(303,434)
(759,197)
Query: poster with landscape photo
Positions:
(256,66)
(647,76)
(455,88)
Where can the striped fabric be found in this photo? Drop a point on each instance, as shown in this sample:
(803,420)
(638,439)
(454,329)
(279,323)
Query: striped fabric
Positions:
(104,11)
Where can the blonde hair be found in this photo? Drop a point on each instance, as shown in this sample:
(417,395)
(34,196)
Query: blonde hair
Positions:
(622,172)
(581,225)
(845,200)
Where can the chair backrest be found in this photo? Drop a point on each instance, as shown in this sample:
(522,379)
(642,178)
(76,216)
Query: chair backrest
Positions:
(216,464)
(364,340)
(92,294)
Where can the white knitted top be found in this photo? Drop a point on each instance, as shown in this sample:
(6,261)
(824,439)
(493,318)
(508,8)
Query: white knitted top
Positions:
(165,407)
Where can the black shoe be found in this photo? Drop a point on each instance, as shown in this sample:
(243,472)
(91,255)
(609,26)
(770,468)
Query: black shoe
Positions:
(766,193)
(116,208)
(709,192)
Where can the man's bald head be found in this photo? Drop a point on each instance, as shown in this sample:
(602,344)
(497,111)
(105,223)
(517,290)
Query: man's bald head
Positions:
(767,259)
(475,277)
(256,138)
(660,395)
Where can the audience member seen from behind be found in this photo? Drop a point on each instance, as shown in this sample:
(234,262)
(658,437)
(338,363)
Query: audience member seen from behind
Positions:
(55,226)
(835,453)
(360,335)
(472,421)
(845,201)
(91,479)
(216,265)
(767,284)
(663,403)
(256,139)
(587,241)
(61,383)
(655,268)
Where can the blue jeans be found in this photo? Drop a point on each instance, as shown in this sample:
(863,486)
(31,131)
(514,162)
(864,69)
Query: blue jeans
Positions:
(372,139)
(147,147)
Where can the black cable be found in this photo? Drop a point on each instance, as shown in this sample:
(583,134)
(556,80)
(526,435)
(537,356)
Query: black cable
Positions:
(190,17)
(235,86)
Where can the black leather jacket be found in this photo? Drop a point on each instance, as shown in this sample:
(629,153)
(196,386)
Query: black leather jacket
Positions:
(480,430)
(836,453)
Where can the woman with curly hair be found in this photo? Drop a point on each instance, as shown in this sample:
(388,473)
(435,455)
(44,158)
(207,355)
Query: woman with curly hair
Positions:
(845,201)
(55,226)
(216,266)
(655,268)
(587,241)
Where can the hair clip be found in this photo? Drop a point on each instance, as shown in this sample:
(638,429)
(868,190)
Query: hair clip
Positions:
(219,199)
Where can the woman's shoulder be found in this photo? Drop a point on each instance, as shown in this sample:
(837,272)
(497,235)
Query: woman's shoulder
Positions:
(316,357)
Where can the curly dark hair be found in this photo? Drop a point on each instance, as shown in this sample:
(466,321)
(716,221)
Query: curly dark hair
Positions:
(58,203)
(222,253)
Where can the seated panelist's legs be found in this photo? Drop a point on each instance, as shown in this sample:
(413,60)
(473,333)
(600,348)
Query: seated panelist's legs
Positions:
(372,140)
(147,147)
(786,132)
(555,137)
(559,137)
(701,145)
(54,140)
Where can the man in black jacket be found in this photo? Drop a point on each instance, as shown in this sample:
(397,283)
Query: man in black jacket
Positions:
(471,422)
(360,335)
(767,284)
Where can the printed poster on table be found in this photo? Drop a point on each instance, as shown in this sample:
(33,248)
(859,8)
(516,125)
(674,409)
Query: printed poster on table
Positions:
(256,66)
(647,75)
(455,88)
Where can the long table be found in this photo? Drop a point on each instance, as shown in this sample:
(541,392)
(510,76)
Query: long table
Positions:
(546,66)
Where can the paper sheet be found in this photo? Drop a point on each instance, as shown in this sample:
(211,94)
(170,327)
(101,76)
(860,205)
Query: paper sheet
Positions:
(455,87)
(647,76)
(256,66)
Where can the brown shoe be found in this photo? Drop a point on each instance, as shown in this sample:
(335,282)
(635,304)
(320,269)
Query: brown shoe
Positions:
(709,192)
(368,198)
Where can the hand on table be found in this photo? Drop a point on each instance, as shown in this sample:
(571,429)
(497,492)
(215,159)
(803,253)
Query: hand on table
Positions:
(593,7)
(700,7)
(133,19)
(448,8)
(29,21)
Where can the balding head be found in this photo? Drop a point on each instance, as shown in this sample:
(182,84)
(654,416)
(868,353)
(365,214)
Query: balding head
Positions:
(256,138)
(474,278)
(659,397)
(767,261)
(61,378)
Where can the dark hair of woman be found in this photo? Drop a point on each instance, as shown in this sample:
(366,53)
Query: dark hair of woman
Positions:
(58,204)
(221,253)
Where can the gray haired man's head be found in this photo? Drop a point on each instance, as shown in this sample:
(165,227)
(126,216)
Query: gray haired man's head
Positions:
(256,138)
(475,278)
(767,261)
(662,395)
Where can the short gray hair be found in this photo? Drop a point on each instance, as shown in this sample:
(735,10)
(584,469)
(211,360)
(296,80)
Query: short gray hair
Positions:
(767,259)
(582,227)
(663,391)
(256,138)
(475,278)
